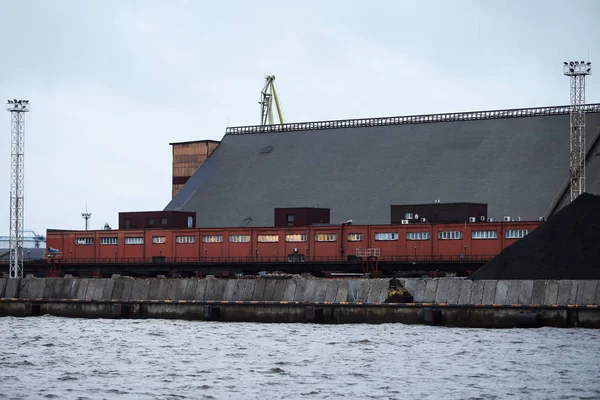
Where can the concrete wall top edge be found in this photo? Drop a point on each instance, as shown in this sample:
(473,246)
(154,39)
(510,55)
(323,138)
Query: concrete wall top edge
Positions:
(437,290)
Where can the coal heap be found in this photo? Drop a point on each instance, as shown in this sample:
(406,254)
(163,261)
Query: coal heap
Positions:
(566,246)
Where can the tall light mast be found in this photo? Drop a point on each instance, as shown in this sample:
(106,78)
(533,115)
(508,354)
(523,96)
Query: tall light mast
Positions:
(267,95)
(17,109)
(577,70)
(86,215)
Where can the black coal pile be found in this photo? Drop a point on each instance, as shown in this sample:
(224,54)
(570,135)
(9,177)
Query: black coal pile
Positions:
(566,246)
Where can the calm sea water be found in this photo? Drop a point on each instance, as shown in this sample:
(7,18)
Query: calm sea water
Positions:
(48,357)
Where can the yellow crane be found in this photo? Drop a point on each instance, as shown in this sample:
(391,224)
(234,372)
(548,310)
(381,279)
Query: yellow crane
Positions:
(269,93)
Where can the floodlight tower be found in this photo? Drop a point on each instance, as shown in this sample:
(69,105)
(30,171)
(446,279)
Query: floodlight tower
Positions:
(17,109)
(86,215)
(577,70)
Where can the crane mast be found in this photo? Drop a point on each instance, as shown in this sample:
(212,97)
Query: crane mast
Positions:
(268,94)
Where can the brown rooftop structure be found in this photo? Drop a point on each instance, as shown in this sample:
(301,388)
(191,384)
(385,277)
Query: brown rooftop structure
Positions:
(187,157)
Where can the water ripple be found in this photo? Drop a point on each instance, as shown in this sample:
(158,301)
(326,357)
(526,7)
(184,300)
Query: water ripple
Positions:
(149,359)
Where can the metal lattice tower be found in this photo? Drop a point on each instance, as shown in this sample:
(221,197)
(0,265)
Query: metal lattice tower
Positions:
(577,70)
(17,109)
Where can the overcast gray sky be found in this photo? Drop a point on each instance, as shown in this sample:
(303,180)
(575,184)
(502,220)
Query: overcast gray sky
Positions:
(111,83)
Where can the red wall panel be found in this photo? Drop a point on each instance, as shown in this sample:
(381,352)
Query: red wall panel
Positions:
(303,246)
(450,247)
(134,250)
(210,249)
(108,251)
(351,246)
(324,248)
(269,249)
(387,247)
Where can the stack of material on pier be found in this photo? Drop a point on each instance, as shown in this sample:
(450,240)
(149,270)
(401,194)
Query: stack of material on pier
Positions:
(567,246)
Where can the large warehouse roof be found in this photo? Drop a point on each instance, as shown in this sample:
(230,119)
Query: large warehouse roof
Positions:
(517,161)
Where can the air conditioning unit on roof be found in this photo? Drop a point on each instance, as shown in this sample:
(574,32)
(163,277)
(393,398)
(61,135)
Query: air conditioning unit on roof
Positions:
(472,219)
(482,218)
(506,219)
(490,219)
(404,222)
(541,218)
(423,219)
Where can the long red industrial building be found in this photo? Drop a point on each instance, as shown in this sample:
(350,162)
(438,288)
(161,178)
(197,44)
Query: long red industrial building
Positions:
(419,240)
(452,233)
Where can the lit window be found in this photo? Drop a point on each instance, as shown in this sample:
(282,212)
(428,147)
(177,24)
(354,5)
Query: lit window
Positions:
(484,235)
(325,237)
(418,236)
(188,239)
(516,233)
(296,237)
(355,237)
(386,236)
(109,240)
(239,238)
(268,238)
(84,240)
(450,235)
(134,240)
(159,239)
(212,238)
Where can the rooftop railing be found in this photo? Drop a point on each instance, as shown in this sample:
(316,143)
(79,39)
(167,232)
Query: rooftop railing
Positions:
(410,119)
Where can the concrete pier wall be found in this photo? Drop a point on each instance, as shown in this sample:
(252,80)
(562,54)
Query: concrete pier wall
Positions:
(504,292)
(373,291)
(447,301)
(291,290)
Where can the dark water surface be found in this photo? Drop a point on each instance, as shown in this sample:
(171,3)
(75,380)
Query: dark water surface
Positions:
(48,357)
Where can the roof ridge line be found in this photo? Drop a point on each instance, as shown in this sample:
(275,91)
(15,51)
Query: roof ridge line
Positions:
(410,119)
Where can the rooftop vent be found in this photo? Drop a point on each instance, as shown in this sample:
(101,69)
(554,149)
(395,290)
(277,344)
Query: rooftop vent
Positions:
(266,150)
(245,222)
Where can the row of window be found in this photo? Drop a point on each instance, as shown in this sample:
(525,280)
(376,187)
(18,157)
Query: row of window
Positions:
(484,235)
(418,236)
(516,233)
(320,237)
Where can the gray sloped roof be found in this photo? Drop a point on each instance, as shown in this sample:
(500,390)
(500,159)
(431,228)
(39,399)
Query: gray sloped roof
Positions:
(29,253)
(518,165)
